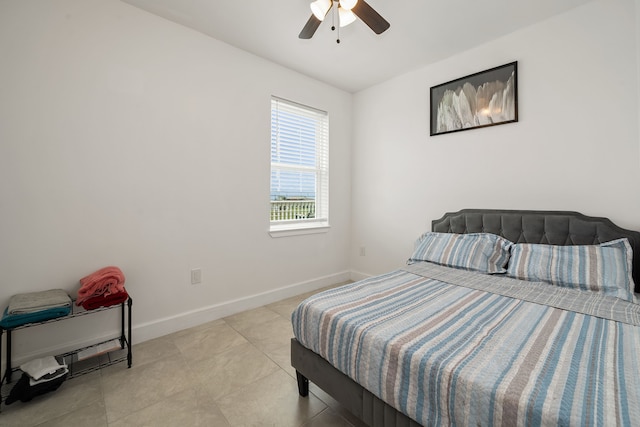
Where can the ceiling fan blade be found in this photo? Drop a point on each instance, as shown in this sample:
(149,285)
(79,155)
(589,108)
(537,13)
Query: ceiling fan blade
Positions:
(370,17)
(310,28)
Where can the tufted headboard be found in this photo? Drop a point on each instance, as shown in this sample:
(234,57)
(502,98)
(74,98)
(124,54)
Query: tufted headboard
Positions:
(547,227)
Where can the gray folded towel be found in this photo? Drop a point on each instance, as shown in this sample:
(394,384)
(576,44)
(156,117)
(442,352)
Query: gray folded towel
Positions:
(37,301)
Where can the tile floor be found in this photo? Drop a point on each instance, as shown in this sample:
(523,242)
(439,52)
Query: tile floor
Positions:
(230,372)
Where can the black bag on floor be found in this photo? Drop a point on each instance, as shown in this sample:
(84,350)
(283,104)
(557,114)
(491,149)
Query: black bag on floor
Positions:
(24,392)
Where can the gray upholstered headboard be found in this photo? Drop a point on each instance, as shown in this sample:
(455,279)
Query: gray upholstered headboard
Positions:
(547,227)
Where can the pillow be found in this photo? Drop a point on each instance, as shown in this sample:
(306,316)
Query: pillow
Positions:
(605,268)
(484,252)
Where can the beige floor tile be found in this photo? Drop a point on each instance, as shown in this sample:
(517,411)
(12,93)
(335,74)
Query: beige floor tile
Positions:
(328,418)
(206,342)
(285,307)
(190,408)
(224,373)
(93,415)
(320,394)
(270,401)
(72,395)
(335,406)
(248,319)
(195,329)
(282,357)
(270,334)
(154,350)
(133,389)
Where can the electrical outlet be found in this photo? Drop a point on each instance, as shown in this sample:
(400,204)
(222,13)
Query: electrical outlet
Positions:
(196,276)
(362,251)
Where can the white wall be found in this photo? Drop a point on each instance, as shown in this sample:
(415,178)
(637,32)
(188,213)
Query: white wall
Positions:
(575,147)
(128,140)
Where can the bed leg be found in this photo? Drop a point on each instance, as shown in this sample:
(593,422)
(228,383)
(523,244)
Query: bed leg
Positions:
(303,384)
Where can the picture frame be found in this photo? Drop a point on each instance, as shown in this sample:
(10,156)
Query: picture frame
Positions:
(483,99)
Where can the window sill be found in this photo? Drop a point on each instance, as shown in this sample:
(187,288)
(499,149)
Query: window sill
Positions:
(298,229)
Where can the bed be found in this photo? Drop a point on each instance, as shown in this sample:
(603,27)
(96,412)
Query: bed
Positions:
(432,344)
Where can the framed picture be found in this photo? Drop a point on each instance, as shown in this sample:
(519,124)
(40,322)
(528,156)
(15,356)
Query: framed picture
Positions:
(487,98)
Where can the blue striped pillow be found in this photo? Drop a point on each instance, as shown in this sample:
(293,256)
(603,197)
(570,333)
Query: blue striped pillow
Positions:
(484,252)
(603,268)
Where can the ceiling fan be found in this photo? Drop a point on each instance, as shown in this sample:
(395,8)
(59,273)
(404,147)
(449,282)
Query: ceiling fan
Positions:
(348,10)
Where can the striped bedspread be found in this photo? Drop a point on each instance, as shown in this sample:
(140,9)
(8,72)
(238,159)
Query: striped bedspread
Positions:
(451,347)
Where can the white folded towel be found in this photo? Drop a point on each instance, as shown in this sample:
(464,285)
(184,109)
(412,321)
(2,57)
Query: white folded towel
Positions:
(49,377)
(38,368)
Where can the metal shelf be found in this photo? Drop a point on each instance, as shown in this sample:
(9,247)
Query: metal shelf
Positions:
(76,367)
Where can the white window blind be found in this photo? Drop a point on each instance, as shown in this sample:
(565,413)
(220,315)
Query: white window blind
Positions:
(299,165)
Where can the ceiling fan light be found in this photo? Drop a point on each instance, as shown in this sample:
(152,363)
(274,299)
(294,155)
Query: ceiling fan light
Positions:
(348,4)
(320,8)
(345,16)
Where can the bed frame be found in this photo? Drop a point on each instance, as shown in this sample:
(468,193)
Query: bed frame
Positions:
(519,226)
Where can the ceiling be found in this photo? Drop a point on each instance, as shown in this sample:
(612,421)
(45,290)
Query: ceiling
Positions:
(422,32)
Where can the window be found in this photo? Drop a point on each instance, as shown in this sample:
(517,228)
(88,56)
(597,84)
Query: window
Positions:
(299,168)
